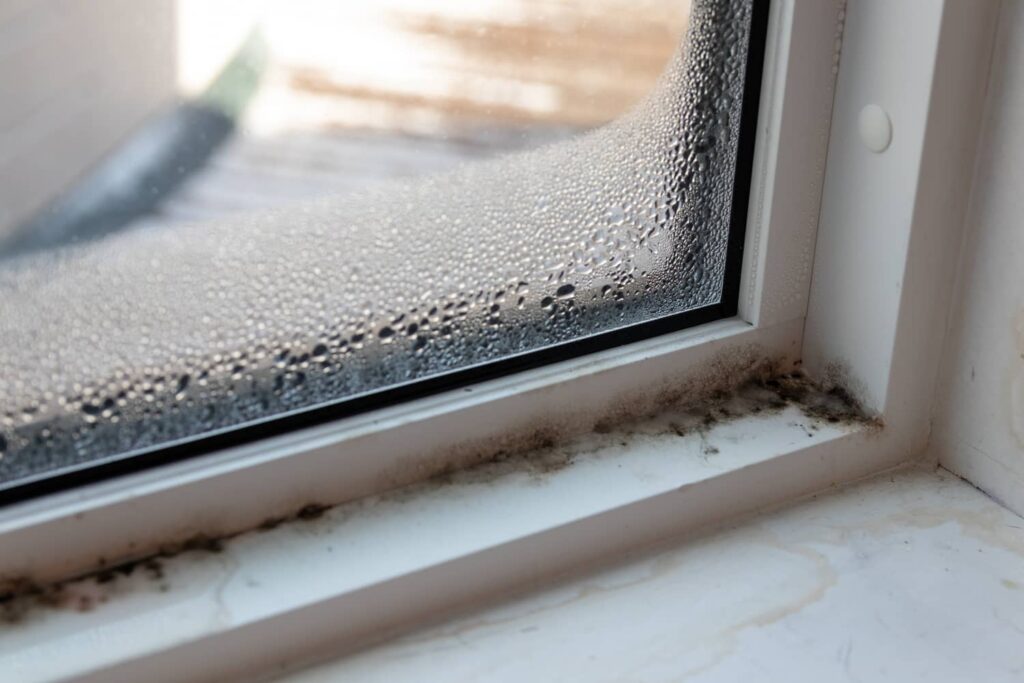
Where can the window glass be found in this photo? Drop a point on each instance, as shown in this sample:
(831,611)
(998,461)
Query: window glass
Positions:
(275,213)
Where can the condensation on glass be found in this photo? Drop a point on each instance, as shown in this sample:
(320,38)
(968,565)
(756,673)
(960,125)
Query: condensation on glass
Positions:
(155,336)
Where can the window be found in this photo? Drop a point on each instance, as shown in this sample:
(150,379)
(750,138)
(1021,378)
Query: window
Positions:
(846,273)
(161,342)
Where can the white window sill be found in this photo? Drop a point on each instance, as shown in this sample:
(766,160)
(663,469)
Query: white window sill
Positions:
(306,588)
(912,576)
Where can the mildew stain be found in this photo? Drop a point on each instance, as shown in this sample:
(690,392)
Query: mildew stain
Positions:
(759,389)
(987,526)
(26,598)
(723,637)
(720,376)
(22,597)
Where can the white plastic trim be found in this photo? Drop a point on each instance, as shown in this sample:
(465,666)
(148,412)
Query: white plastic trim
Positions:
(892,222)
(801,58)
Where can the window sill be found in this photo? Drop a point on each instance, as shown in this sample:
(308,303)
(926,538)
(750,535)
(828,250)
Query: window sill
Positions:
(909,576)
(347,575)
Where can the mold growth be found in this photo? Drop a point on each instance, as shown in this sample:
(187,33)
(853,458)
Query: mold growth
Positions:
(760,393)
(25,598)
(22,598)
(836,377)
(722,375)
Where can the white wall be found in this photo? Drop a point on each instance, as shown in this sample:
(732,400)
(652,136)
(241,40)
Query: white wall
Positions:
(978,429)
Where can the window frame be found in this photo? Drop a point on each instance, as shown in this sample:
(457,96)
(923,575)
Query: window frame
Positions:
(813,289)
(498,408)
(119,464)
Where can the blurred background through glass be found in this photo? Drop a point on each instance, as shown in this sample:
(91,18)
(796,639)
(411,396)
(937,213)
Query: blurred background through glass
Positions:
(127,114)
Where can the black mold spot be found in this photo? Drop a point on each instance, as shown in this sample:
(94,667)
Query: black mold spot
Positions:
(271,523)
(199,542)
(311,511)
(22,596)
(154,568)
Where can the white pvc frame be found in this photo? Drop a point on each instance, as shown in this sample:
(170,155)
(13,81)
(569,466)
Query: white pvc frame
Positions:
(64,534)
(844,269)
